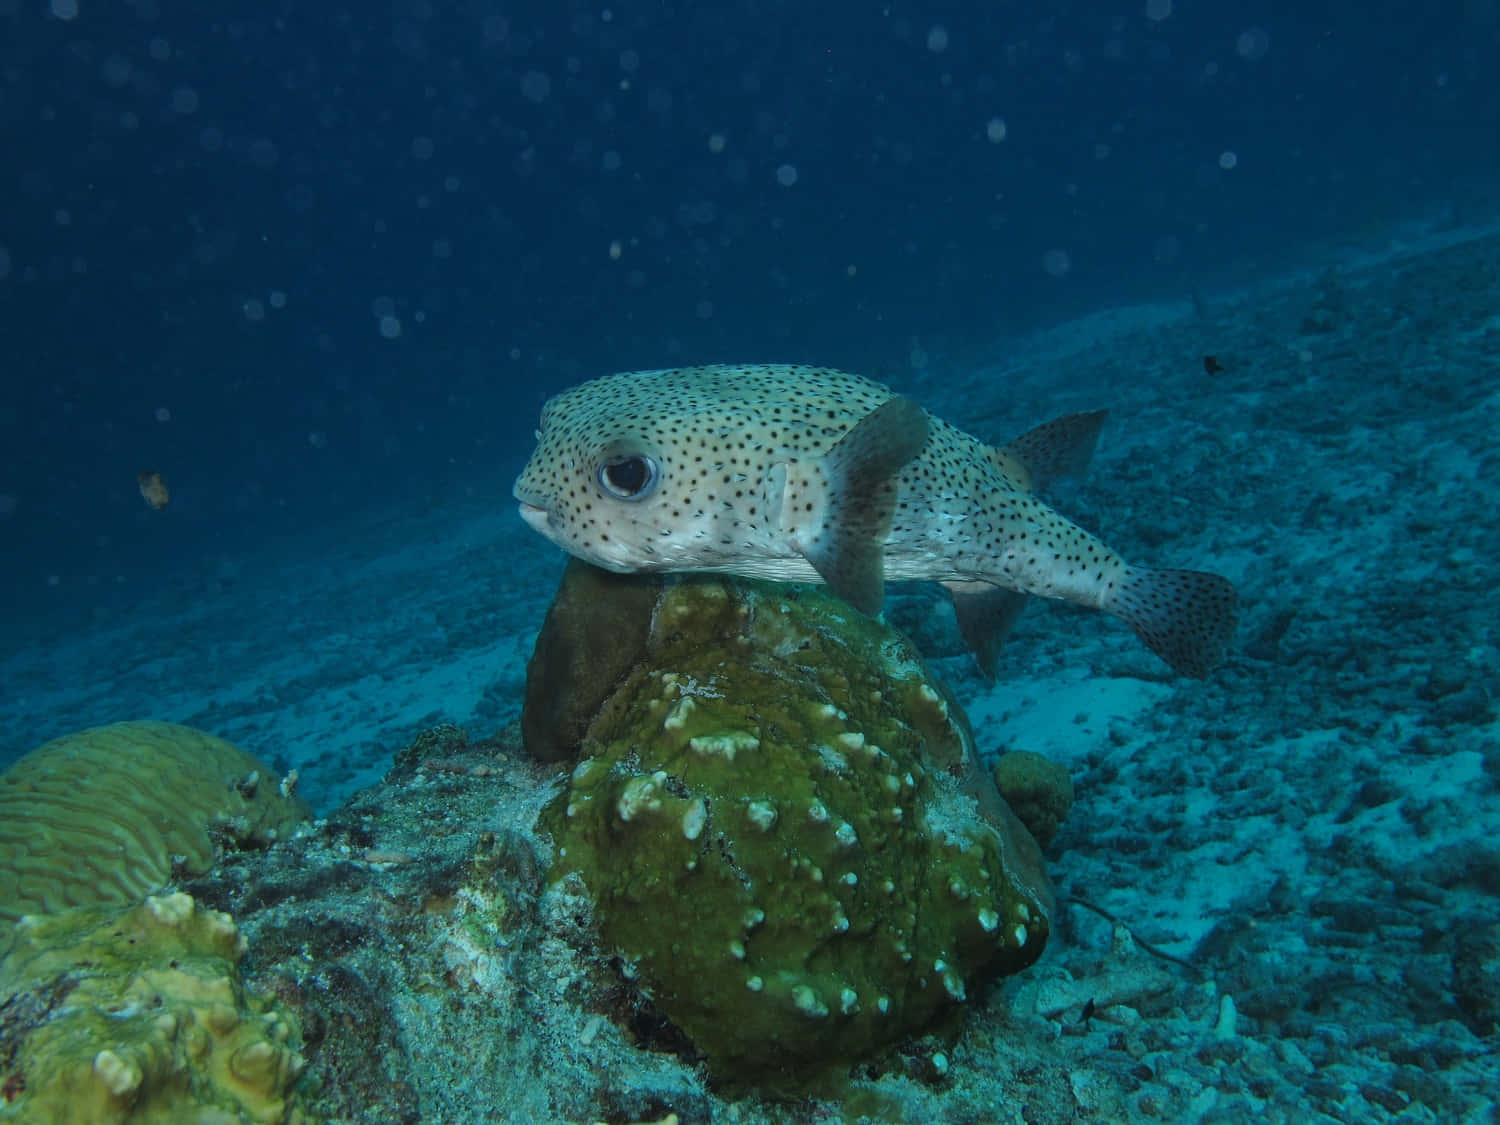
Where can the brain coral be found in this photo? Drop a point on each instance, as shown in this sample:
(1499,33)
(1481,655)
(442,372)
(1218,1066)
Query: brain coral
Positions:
(770,818)
(110,814)
(140,1016)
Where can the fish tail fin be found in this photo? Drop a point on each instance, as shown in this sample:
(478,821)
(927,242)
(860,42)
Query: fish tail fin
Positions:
(862,471)
(1060,448)
(1186,617)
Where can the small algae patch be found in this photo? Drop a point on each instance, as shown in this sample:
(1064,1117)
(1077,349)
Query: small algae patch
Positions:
(768,815)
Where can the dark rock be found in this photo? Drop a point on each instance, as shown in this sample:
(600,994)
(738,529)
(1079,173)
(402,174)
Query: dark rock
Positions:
(594,633)
(1476,978)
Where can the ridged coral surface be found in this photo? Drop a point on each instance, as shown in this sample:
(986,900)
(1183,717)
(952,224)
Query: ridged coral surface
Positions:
(108,815)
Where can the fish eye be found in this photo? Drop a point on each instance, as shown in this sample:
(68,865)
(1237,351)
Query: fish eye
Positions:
(629,478)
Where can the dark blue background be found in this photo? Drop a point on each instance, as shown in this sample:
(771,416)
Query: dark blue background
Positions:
(167,171)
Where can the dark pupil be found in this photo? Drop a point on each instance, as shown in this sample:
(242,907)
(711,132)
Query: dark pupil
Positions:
(628,476)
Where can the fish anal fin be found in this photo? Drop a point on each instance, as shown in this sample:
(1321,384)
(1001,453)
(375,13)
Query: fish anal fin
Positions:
(861,474)
(985,615)
(1060,448)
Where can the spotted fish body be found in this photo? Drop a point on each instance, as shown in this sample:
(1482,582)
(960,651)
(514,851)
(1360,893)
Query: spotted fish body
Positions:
(800,474)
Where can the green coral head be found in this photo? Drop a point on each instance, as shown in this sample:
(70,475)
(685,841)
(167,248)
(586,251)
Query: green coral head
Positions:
(766,819)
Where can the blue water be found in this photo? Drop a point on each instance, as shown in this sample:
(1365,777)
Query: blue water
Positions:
(300,257)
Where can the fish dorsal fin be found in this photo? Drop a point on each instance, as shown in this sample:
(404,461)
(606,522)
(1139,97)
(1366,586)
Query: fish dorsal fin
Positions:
(860,474)
(1056,449)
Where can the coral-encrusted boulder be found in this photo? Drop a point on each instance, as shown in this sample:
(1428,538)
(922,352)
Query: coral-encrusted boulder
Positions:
(776,817)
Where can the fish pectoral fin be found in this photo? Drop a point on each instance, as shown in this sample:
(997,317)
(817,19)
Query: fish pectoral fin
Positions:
(985,615)
(1186,617)
(773,496)
(861,475)
(1060,448)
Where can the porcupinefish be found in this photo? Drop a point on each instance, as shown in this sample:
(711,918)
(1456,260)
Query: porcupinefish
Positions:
(806,474)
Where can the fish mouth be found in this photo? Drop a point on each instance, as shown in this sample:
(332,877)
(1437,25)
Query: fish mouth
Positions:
(526,497)
(538,517)
(533,507)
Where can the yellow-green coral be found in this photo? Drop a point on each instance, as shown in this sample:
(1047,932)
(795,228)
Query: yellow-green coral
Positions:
(140,1016)
(108,815)
(769,816)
